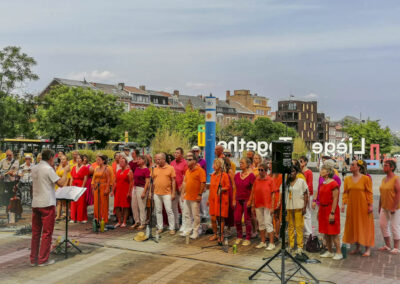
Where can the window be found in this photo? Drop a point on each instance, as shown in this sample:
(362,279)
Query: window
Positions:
(155,100)
(259,112)
(306,115)
(292,106)
(257,102)
(307,106)
(127,106)
(269,112)
(305,126)
(304,109)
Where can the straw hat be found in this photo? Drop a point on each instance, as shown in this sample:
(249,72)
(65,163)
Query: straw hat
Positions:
(140,237)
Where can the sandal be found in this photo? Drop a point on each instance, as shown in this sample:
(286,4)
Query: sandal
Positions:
(117,225)
(213,238)
(123,225)
(355,251)
(395,251)
(385,248)
(134,226)
(366,254)
(141,227)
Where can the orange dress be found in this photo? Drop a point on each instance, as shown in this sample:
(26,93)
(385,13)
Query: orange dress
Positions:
(359,226)
(99,181)
(213,198)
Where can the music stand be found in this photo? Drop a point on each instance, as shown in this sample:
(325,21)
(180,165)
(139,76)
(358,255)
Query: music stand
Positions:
(66,241)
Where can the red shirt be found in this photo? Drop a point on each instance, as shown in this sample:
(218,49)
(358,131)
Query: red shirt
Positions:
(180,170)
(263,190)
(309,179)
(244,186)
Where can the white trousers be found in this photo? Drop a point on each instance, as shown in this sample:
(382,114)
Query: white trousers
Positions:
(203,205)
(192,216)
(175,203)
(159,200)
(139,205)
(264,219)
(308,230)
(389,221)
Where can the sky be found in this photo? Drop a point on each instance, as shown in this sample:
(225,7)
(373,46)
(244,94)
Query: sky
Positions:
(344,54)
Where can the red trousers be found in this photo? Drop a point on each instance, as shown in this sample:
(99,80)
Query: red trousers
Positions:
(43,220)
(79,209)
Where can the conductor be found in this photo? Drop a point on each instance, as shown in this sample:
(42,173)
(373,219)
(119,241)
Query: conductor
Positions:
(44,179)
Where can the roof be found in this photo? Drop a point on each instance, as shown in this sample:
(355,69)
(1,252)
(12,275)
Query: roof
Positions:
(240,108)
(74,83)
(134,90)
(194,101)
(110,89)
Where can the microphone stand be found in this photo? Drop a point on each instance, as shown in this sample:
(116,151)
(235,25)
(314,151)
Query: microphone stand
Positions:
(220,241)
(149,226)
(283,253)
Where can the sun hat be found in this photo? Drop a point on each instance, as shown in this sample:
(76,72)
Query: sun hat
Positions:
(140,237)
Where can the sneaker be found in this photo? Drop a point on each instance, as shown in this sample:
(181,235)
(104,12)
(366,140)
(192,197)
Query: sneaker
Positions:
(33,264)
(194,236)
(238,241)
(327,254)
(246,243)
(299,250)
(338,256)
(270,247)
(48,262)
(84,222)
(261,245)
(182,229)
(172,232)
(72,221)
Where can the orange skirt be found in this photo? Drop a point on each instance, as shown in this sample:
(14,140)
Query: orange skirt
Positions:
(214,202)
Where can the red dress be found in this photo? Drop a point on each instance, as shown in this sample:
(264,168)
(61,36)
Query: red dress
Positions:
(122,189)
(325,208)
(79,208)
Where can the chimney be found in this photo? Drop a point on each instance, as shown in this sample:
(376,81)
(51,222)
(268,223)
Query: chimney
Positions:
(176,93)
(142,87)
(228,94)
(121,86)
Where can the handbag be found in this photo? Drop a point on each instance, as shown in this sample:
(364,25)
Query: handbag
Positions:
(313,244)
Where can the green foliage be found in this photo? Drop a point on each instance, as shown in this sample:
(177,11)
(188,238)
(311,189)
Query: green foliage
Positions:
(373,134)
(15,67)
(68,114)
(142,125)
(167,141)
(92,155)
(16,115)
(299,148)
(263,129)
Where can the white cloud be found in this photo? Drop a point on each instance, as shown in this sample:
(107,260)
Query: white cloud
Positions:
(95,75)
(197,86)
(311,96)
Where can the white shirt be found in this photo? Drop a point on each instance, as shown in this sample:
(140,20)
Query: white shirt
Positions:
(295,195)
(25,170)
(44,178)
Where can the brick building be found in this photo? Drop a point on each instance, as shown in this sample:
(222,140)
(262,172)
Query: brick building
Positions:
(253,102)
(303,116)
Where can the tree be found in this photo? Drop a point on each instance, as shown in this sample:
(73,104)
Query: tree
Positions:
(15,67)
(373,134)
(299,148)
(68,114)
(167,141)
(16,116)
(187,124)
(266,130)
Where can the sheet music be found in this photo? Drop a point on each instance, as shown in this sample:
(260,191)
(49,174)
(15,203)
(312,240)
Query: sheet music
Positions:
(72,193)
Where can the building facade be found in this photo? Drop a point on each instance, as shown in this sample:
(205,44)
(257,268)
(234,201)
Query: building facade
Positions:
(303,116)
(253,102)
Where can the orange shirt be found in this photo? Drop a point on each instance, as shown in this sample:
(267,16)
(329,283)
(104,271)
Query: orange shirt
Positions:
(388,193)
(162,179)
(263,190)
(214,183)
(193,180)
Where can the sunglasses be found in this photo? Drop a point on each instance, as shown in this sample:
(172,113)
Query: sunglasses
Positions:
(261,170)
(189,160)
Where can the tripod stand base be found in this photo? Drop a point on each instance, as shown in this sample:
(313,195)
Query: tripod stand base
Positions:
(66,242)
(283,253)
